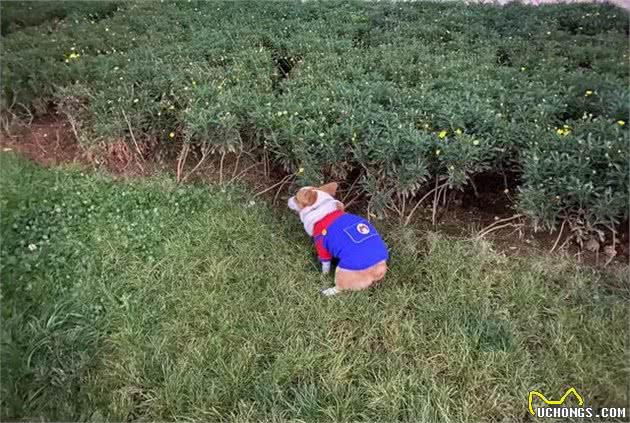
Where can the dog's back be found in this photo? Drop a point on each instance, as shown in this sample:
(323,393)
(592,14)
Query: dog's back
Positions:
(355,242)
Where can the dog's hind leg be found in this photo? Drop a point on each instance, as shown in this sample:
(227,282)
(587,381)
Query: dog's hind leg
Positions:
(329,292)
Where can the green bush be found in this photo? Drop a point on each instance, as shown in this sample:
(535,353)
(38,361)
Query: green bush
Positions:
(579,173)
(400,94)
(21,14)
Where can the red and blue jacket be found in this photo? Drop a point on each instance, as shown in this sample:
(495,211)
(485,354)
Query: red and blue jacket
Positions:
(351,239)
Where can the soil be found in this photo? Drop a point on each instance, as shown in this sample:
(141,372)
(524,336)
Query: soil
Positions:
(50,141)
(47,141)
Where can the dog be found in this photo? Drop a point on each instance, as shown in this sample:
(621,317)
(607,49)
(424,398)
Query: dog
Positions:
(351,239)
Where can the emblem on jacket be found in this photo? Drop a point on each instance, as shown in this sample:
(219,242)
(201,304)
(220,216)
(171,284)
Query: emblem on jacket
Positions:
(363,229)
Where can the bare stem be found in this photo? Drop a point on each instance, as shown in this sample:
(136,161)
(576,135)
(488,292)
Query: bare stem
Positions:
(402,209)
(496,228)
(131,132)
(133,138)
(204,156)
(181,161)
(472,183)
(349,190)
(346,205)
(238,158)
(243,172)
(436,200)
(221,168)
(559,235)
(279,191)
(487,228)
(274,185)
(73,127)
(31,117)
(420,202)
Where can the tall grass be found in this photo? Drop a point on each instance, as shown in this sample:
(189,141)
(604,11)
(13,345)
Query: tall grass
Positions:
(146,300)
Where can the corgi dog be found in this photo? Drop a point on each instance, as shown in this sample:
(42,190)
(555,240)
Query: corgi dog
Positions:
(351,239)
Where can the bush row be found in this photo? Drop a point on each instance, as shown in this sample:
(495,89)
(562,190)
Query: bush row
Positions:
(398,95)
(15,15)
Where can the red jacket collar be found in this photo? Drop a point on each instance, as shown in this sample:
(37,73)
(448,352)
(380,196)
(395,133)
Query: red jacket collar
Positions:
(324,223)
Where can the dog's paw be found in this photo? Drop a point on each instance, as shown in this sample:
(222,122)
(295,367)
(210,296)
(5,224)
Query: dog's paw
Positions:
(329,292)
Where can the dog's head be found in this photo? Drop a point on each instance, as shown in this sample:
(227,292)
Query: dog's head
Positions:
(308,197)
(313,203)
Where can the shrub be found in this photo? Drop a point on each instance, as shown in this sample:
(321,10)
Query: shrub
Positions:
(400,94)
(578,173)
(16,15)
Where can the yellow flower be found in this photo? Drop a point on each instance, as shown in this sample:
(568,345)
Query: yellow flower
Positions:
(172,135)
(476,142)
(523,69)
(458,131)
(72,56)
(437,152)
(621,122)
(300,171)
(563,131)
(588,93)
(442,134)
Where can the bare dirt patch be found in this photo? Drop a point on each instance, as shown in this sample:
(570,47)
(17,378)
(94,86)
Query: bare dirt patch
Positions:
(47,141)
(50,141)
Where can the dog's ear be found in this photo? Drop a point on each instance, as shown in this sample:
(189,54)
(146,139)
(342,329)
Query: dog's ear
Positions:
(329,188)
(306,197)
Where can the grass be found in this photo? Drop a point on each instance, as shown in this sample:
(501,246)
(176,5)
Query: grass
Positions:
(146,300)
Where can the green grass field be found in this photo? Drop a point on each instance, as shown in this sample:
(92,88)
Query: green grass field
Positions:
(146,300)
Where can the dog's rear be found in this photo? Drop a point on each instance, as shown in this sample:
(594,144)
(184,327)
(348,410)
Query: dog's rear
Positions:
(355,280)
(378,271)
